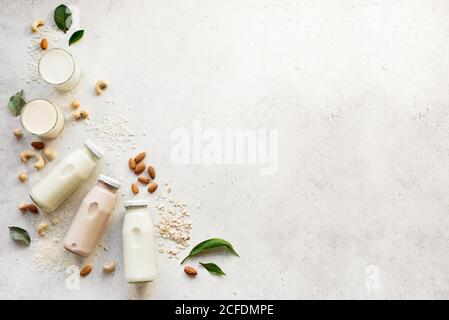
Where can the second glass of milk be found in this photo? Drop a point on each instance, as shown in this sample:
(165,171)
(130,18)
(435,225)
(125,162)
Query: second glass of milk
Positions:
(58,68)
(42,118)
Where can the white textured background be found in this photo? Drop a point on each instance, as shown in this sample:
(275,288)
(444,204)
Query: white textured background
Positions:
(359,91)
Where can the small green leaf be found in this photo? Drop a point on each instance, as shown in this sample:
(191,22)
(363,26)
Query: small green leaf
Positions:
(16,103)
(77,35)
(19,234)
(213,269)
(210,244)
(63,17)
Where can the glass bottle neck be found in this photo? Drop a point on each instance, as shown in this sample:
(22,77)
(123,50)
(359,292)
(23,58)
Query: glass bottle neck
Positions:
(136,208)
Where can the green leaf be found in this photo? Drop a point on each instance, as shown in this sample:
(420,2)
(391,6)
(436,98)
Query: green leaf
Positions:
(213,269)
(16,103)
(77,35)
(63,17)
(19,234)
(210,244)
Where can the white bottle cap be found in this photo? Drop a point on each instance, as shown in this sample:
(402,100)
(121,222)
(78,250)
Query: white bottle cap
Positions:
(109,181)
(136,203)
(96,149)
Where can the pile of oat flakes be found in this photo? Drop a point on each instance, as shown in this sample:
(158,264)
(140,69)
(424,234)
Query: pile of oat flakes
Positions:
(174,225)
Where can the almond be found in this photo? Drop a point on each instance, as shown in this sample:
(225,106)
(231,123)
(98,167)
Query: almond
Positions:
(32,207)
(86,270)
(143,179)
(135,188)
(152,187)
(38,145)
(132,163)
(44,44)
(191,271)
(140,157)
(140,167)
(151,172)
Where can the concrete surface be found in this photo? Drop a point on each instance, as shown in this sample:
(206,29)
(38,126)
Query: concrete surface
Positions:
(359,93)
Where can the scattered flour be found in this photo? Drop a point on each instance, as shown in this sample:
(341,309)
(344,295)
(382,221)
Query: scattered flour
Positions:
(48,253)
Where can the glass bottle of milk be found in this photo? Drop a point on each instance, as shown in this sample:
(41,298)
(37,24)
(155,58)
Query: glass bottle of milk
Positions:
(66,177)
(90,222)
(58,68)
(139,250)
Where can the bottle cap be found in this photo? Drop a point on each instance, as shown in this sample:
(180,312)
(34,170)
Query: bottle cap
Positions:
(109,181)
(136,203)
(96,149)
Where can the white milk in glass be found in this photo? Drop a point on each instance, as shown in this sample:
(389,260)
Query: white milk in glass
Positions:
(42,118)
(139,251)
(58,68)
(66,177)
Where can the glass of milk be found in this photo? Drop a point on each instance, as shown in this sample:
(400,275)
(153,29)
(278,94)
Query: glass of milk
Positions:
(58,68)
(42,118)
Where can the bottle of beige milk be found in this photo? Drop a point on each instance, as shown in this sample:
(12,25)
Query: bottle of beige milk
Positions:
(66,177)
(92,217)
(139,250)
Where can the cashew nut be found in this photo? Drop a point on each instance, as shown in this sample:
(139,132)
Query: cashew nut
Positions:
(80,115)
(23,207)
(36,24)
(42,229)
(23,177)
(100,86)
(18,133)
(84,114)
(76,115)
(40,163)
(26,155)
(109,267)
(50,154)
(75,104)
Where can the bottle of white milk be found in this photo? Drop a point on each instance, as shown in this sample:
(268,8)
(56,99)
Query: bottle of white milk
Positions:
(66,177)
(139,250)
